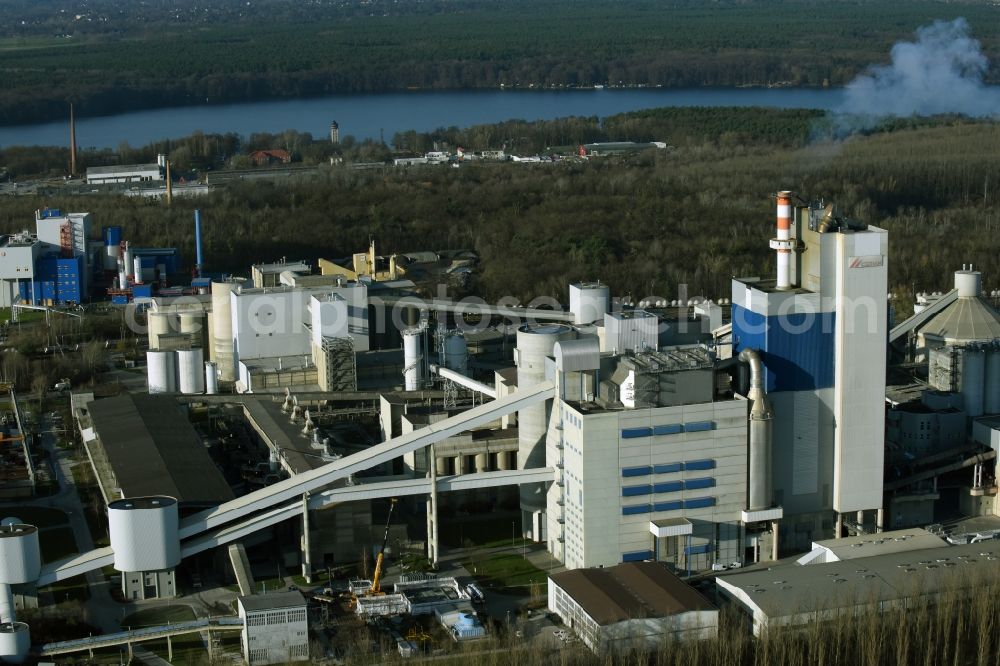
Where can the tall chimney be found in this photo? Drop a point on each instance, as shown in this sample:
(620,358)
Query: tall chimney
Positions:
(784,244)
(197,241)
(72,142)
(170,193)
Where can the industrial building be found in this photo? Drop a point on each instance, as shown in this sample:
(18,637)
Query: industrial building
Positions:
(630,607)
(275,628)
(49,267)
(128,173)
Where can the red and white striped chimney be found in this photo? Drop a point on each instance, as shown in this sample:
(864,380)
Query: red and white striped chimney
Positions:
(784,244)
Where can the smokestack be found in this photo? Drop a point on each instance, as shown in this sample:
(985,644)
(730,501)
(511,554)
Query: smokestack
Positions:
(170,193)
(197,241)
(72,142)
(783,244)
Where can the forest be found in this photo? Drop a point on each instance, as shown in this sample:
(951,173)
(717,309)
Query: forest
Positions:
(163,57)
(695,214)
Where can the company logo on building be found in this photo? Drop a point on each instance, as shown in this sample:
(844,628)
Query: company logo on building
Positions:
(869,261)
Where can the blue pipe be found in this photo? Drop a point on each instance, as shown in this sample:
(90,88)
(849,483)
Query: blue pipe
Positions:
(197,240)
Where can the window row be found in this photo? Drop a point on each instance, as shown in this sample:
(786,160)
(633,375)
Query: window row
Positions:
(668,429)
(673,505)
(667,468)
(668,487)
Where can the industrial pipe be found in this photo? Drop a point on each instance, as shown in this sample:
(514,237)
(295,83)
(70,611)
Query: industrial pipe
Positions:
(783,244)
(197,241)
(462,380)
(761,417)
(6,603)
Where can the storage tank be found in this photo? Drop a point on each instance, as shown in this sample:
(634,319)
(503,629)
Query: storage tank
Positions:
(160,323)
(20,557)
(195,324)
(456,352)
(991,387)
(413,359)
(973,377)
(211,378)
(161,371)
(144,533)
(191,370)
(535,342)
(137,270)
(589,302)
(222,329)
(128,261)
(112,247)
(15,642)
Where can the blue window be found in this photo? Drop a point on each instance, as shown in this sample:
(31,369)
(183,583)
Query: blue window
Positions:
(635,491)
(635,471)
(632,433)
(668,487)
(699,426)
(676,505)
(635,509)
(699,464)
(697,550)
(694,484)
(671,429)
(667,468)
(699,503)
(637,556)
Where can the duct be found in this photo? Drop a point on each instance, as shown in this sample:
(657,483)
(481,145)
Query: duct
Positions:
(938,471)
(761,417)
(462,380)
(578,355)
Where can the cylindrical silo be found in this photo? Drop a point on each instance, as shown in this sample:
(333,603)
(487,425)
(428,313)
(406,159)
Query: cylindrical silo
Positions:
(194,323)
(535,342)
(991,387)
(413,359)
(456,352)
(191,370)
(222,329)
(15,642)
(211,378)
(20,557)
(589,302)
(144,533)
(112,240)
(129,261)
(973,376)
(161,371)
(160,323)
(137,270)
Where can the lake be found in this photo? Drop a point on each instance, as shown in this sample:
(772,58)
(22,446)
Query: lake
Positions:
(367,116)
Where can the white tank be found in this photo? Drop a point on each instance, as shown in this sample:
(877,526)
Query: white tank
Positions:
(211,378)
(15,642)
(973,377)
(20,557)
(589,302)
(144,533)
(137,270)
(991,385)
(413,361)
(160,323)
(456,352)
(161,371)
(969,284)
(110,257)
(535,342)
(195,325)
(122,278)
(222,329)
(191,371)
(129,261)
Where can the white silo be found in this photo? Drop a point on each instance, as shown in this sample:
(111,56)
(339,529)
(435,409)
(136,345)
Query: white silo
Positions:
(413,359)
(137,270)
(191,370)
(535,342)
(160,323)
(589,302)
(15,642)
(211,378)
(455,352)
(222,329)
(144,533)
(991,387)
(161,371)
(194,324)
(129,261)
(973,376)
(20,557)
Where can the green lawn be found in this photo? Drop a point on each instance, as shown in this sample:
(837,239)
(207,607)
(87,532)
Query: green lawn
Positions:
(505,570)
(153,617)
(38,516)
(57,543)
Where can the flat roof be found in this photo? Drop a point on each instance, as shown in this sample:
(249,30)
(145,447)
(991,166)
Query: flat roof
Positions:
(273,600)
(868,545)
(123,168)
(630,591)
(154,450)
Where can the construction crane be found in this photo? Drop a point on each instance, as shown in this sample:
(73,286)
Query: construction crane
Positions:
(377,578)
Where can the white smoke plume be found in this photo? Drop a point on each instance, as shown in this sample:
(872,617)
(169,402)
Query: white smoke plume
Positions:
(940,72)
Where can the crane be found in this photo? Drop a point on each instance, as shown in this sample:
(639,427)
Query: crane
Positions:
(377,578)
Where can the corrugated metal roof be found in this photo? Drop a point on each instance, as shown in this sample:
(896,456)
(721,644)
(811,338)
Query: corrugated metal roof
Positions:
(967,319)
(630,591)
(273,601)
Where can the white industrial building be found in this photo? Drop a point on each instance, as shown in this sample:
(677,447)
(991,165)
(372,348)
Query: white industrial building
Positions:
(18,255)
(125,173)
(275,628)
(632,606)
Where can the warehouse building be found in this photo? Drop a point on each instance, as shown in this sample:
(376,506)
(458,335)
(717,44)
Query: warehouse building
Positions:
(275,628)
(632,606)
